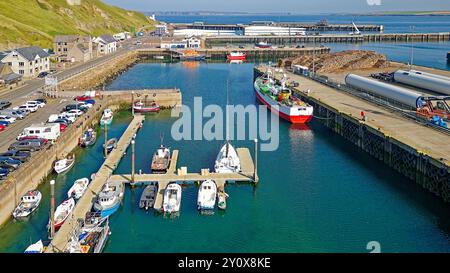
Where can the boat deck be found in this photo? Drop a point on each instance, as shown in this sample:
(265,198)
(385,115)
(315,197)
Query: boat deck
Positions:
(84,205)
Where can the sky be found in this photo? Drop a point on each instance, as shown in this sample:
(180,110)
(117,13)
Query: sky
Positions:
(293,6)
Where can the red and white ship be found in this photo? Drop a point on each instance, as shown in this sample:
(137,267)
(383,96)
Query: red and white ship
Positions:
(279,99)
(236,56)
(140,107)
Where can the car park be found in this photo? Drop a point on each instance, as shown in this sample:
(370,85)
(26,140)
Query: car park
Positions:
(18,155)
(7,118)
(4,104)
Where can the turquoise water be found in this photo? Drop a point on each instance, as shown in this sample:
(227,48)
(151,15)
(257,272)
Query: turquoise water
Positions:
(317,192)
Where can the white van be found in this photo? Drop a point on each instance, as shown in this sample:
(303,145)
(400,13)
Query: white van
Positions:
(46,131)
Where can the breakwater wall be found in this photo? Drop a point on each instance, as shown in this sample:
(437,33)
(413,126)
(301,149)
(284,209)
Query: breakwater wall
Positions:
(431,172)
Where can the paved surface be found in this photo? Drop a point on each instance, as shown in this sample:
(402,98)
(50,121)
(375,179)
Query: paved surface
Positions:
(85,203)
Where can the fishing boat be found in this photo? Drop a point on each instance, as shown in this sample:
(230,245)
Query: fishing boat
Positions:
(280,100)
(28,203)
(158,57)
(107,117)
(227,160)
(62,212)
(191,55)
(160,160)
(172,198)
(88,139)
(263,45)
(140,107)
(206,199)
(148,197)
(37,247)
(222,199)
(94,233)
(110,144)
(236,56)
(109,198)
(64,165)
(79,188)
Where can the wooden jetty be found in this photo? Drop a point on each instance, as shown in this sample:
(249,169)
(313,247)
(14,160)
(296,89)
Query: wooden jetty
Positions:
(84,205)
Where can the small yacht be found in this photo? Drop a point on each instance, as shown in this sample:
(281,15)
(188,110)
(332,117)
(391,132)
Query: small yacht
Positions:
(107,117)
(79,188)
(172,198)
(88,139)
(227,160)
(109,198)
(62,212)
(64,165)
(222,199)
(28,203)
(111,144)
(207,193)
(148,197)
(37,247)
(161,160)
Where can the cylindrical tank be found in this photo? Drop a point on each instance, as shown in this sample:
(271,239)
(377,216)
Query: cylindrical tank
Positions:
(436,84)
(399,94)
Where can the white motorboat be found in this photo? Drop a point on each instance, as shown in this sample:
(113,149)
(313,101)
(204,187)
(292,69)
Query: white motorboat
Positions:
(37,247)
(64,164)
(207,193)
(222,199)
(172,198)
(63,211)
(227,160)
(79,188)
(28,203)
(107,117)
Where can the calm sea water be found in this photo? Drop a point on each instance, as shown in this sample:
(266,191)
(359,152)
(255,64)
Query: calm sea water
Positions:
(317,192)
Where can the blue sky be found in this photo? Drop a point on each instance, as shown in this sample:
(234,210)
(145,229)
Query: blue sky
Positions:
(295,6)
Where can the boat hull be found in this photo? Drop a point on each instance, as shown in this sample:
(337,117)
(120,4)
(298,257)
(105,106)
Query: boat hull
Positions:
(236,58)
(296,119)
(147,109)
(109,211)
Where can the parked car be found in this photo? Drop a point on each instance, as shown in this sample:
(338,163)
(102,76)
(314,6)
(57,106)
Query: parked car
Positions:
(7,118)
(4,123)
(75,112)
(4,104)
(62,121)
(3,173)
(91,101)
(35,102)
(18,155)
(69,116)
(13,113)
(82,98)
(31,108)
(71,107)
(2,127)
(43,74)
(42,100)
(31,145)
(62,127)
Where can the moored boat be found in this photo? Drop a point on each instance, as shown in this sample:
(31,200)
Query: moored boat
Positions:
(140,107)
(28,203)
(148,197)
(94,233)
(62,212)
(161,160)
(206,199)
(109,198)
(107,117)
(172,198)
(110,144)
(236,56)
(64,165)
(227,160)
(88,139)
(280,100)
(222,199)
(79,188)
(37,247)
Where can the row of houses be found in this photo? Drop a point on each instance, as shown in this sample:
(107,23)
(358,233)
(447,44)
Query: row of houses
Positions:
(75,48)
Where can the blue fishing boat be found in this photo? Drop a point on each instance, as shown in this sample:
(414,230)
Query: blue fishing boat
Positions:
(109,198)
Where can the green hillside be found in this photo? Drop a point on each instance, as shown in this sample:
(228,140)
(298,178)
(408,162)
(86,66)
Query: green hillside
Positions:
(36,22)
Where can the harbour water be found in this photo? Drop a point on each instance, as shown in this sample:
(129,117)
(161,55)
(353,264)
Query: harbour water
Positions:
(317,192)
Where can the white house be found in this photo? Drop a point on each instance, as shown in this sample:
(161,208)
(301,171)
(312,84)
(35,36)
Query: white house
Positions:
(193,42)
(28,61)
(105,44)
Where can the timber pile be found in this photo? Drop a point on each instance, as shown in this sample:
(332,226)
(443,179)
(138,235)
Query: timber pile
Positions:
(340,61)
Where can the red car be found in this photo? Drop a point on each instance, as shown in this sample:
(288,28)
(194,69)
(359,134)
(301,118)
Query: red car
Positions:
(62,127)
(82,98)
(2,127)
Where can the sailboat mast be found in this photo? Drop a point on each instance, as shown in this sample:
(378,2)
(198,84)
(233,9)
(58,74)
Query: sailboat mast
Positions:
(226,124)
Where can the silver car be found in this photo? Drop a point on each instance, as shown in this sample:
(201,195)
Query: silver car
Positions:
(13,113)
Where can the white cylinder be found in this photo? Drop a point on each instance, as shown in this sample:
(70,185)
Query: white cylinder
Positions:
(419,79)
(399,94)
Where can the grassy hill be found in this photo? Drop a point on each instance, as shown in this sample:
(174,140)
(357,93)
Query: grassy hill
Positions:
(36,22)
